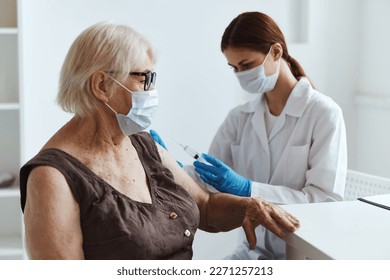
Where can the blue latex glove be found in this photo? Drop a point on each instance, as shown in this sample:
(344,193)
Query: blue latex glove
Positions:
(222,177)
(158,140)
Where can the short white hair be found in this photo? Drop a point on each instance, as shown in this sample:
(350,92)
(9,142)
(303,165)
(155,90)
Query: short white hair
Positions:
(102,47)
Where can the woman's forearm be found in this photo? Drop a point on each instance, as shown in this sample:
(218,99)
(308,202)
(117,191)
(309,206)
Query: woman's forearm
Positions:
(225,212)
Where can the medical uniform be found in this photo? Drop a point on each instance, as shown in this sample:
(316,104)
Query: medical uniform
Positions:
(302,158)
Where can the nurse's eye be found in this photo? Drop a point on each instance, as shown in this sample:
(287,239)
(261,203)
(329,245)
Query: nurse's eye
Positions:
(234,68)
(246,66)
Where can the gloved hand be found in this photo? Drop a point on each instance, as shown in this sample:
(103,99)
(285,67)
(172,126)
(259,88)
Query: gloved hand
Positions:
(222,177)
(158,140)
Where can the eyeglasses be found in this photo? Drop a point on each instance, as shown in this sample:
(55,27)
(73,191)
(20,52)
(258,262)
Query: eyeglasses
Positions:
(150,78)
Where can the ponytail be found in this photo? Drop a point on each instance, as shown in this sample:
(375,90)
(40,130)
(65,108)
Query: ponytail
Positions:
(295,67)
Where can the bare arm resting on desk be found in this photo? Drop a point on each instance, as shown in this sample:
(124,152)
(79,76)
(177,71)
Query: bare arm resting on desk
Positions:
(223,212)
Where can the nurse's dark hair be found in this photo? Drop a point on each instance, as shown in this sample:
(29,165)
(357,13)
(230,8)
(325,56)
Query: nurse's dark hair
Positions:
(257,31)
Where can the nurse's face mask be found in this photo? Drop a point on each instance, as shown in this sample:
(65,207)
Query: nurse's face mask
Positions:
(144,107)
(256,81)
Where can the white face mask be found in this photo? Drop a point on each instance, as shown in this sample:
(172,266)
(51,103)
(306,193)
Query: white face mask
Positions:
(144,107)
(255,81)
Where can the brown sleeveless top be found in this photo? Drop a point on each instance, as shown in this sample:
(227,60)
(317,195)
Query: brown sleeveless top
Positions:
(113,225)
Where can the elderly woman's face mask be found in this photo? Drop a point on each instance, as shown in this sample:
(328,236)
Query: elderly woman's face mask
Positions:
(144,107)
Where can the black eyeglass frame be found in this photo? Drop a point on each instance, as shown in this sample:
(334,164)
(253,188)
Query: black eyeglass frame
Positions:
(150,78)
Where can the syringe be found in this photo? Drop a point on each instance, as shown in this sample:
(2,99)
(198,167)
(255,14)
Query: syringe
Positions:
(192,153)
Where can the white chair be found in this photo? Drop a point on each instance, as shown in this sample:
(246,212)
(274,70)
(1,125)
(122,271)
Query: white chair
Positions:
(359,184)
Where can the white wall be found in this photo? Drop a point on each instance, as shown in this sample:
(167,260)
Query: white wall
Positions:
(337,42)
(355,41)
(374,45)
(340,43)
(373,90)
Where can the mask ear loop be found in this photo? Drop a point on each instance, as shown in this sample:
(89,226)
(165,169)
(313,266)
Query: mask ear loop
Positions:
(280,61)
(270,49)
(265,59)
(119,83)
(110,108)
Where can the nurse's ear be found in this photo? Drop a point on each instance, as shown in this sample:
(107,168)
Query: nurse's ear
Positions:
(99,86)
(277,51)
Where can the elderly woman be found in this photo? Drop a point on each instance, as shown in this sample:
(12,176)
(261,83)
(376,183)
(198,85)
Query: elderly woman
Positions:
(100,188)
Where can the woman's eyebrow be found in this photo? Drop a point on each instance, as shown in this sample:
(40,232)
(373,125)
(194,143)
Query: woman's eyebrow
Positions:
(240,63)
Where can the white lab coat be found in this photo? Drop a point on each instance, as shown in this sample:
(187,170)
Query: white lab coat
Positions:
(310,140)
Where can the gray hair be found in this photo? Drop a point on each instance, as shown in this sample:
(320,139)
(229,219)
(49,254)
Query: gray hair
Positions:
(102,47)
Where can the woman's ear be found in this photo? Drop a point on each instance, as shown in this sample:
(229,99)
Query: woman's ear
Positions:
(277,51)
(99,86)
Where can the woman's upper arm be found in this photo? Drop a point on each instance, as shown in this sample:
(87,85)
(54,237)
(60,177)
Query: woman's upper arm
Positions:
(51,217)
(199,194)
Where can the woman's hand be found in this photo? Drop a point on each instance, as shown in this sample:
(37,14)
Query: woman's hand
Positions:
(269,215)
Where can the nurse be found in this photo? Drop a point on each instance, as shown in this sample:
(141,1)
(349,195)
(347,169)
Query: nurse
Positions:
(288,145)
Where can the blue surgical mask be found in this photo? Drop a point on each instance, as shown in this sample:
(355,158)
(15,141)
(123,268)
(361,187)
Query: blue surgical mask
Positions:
(144,107)
(255,81)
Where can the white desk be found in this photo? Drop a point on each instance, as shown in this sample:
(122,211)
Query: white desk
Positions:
(340,230)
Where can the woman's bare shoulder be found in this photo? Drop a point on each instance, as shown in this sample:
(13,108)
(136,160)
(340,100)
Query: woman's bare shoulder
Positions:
(48,185)
(51,216)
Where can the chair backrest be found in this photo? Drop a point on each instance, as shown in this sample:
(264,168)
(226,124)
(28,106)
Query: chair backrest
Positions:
(359,184)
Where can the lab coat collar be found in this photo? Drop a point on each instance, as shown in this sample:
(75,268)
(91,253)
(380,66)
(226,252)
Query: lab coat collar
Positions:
(258,120)
(299,96)
(253,105)
(296,102)
(295,106)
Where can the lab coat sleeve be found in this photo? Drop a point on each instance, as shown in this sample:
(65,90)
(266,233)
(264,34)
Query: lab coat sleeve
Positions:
(327,165)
